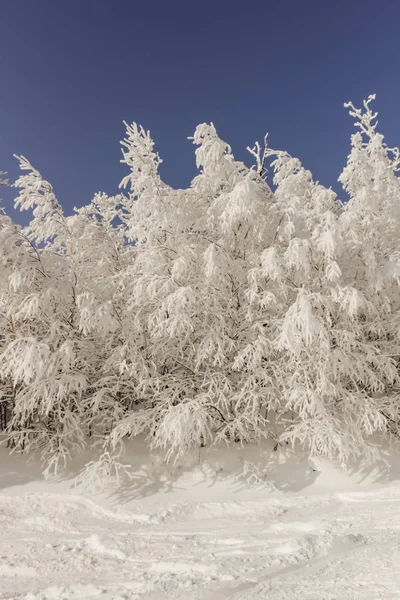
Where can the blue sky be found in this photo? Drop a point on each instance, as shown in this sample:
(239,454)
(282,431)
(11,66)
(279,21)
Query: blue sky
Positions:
(73,70)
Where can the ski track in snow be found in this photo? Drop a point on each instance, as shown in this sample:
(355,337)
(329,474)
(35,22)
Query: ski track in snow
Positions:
(322,547)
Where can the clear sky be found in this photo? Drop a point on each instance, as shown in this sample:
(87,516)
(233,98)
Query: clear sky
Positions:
(72,70)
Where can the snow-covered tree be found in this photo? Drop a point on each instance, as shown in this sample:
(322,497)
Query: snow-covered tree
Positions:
(232,310)
(187,299)
(371,225)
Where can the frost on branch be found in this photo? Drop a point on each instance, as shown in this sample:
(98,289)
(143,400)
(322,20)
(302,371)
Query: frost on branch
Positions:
(230,311)
(3,178)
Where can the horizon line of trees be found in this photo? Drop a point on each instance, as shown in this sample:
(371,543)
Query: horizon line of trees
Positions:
(233,310)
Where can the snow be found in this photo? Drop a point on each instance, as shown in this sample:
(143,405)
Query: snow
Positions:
(200,530)
(227,311)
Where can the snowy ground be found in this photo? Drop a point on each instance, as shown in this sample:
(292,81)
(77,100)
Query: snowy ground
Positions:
(214,529)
